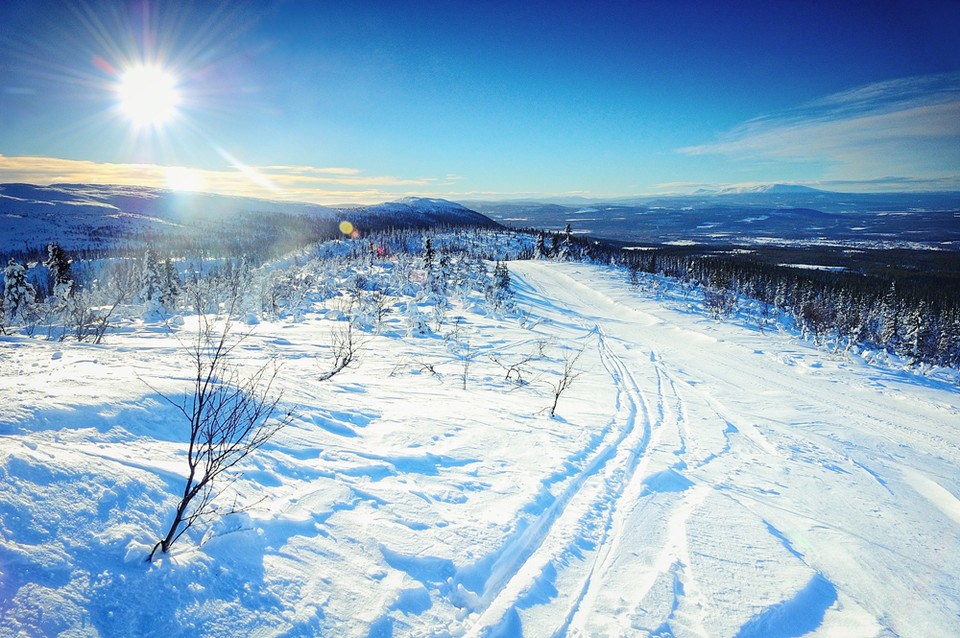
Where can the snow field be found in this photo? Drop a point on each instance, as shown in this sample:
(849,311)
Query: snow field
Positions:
(797,517)
(388,474)
(700,479)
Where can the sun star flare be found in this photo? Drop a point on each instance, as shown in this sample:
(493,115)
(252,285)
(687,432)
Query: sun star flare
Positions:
(148,95)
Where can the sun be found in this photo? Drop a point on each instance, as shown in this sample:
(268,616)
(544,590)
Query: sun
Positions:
(148,95)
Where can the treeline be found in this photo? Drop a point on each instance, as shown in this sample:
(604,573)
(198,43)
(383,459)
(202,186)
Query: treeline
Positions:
(915,319)
(257,236)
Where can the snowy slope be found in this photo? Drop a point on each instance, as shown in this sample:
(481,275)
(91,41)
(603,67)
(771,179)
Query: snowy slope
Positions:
(421,212)
(100,216)
(699,479)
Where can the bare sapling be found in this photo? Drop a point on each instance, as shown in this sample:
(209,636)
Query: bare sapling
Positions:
(461,350)
(516,370)
(90,322)
(569,374)
(345,347)
(230,416)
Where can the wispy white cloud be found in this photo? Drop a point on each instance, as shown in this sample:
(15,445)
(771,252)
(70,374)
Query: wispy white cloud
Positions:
(315,170)
(909,126)
(889,183)
(322,185)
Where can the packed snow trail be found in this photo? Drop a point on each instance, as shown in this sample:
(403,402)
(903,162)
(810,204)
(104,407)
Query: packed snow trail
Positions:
(789,492)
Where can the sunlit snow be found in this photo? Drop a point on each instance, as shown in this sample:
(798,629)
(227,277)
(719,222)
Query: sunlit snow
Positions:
(700,479)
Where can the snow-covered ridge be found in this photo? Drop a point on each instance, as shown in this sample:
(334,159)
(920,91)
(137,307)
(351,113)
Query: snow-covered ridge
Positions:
(780,214)
(434,211)
(771,189)
(91,215)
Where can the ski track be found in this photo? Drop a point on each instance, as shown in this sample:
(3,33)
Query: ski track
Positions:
(624,465)
(599,486)
(637,459)
(715,460)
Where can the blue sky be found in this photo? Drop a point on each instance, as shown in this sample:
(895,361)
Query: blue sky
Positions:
(366,101)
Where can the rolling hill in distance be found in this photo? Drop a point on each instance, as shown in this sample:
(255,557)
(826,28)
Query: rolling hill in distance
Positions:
(84,216)
(88,216)
(778,215)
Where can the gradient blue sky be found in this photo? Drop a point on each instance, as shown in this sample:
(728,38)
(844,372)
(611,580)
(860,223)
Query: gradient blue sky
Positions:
(366,101)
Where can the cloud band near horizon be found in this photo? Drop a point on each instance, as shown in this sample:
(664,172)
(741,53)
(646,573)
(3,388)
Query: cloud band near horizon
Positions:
(322,185)
(908,126)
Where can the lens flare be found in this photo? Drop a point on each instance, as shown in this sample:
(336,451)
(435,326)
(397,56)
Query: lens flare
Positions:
(346,228)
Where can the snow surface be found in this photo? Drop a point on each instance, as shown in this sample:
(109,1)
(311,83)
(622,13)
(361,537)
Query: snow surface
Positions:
(700,479)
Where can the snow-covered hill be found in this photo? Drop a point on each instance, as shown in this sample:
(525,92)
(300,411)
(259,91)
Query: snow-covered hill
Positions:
(419,212)
(80,216)
(781,215)
(700,478)
(770,189)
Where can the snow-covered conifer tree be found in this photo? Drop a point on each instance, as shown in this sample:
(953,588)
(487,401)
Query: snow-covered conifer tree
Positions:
(917,333)
(501,276)
(169,284)
(948,343)
(416,321)
(440,277)
(540,247)
(18,294)
(60,275)
(151,287)
(566,243)
(890,318)
(499,293)
(781,297)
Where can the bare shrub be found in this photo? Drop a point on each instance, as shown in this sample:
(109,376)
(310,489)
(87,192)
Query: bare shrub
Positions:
(345,347)
(230,416)
(721,302)
(517,369)
(567,377)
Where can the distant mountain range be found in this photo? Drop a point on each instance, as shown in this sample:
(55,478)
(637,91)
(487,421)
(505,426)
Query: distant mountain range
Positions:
(774,189)
(778,214)
(87,216)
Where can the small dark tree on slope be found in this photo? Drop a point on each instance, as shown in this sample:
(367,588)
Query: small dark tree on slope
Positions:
(567,377)
(345,348)
(428,255)
(230,417)
(60,275)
